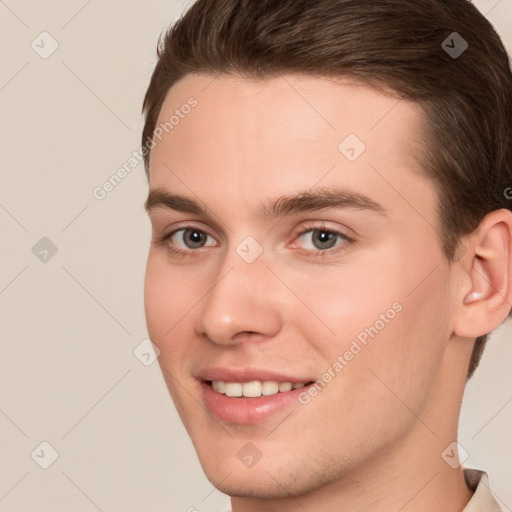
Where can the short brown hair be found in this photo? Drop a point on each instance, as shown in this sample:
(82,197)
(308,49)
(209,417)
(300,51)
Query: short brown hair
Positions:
(390,45)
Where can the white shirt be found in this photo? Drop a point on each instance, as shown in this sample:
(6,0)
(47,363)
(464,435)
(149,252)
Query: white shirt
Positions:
(482,499)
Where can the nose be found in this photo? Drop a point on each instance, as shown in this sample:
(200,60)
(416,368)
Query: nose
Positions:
(243,303)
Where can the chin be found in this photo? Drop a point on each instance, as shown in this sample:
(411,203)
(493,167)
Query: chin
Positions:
(259,485)
(267,479)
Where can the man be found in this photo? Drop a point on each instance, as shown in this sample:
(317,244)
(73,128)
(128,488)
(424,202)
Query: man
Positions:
(331,244)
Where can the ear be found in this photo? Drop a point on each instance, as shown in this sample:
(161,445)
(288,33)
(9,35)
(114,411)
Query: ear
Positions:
(486,295)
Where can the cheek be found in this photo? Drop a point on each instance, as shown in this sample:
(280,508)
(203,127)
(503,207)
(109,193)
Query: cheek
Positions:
(384,319)
(164,299)
(368,382)
(401,360)
(172,296)
(164,304)
(337,304)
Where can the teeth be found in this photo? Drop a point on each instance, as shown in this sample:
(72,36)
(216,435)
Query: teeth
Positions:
(251,388)
(234,389)
(285,386)
(269,387)
(254,388)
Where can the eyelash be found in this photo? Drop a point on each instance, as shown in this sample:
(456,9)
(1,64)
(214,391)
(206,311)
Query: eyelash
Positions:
(164,241)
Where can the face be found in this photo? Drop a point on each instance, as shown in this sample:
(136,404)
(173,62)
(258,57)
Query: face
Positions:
(250,289)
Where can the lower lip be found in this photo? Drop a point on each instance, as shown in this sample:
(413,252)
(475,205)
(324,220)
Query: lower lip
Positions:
(247,411)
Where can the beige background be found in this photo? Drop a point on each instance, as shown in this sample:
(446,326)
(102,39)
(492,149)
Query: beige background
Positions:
(69,325)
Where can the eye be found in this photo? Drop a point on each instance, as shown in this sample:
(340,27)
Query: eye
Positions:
(192,238)
(321,240)
(183,241)
(316,241)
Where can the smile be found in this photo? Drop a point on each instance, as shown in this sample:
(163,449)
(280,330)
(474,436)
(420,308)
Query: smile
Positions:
(251,402)
(254,388)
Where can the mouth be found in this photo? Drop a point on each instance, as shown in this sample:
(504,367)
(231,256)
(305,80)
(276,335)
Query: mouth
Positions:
(251,402)
(254,388)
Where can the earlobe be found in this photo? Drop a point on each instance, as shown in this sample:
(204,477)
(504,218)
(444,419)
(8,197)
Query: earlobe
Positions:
(488,301)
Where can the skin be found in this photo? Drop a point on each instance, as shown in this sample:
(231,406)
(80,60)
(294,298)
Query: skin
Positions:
(373,437)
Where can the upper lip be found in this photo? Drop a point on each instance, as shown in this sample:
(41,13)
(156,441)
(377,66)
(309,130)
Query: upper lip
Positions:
(247,375)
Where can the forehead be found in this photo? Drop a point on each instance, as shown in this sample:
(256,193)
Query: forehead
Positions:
(340,103)
(256,138)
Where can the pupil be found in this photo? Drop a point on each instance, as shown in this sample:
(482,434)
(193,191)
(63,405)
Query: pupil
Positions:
(324,238)
(196,237)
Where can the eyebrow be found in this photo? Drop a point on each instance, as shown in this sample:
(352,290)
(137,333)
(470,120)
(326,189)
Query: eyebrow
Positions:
(320,199)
